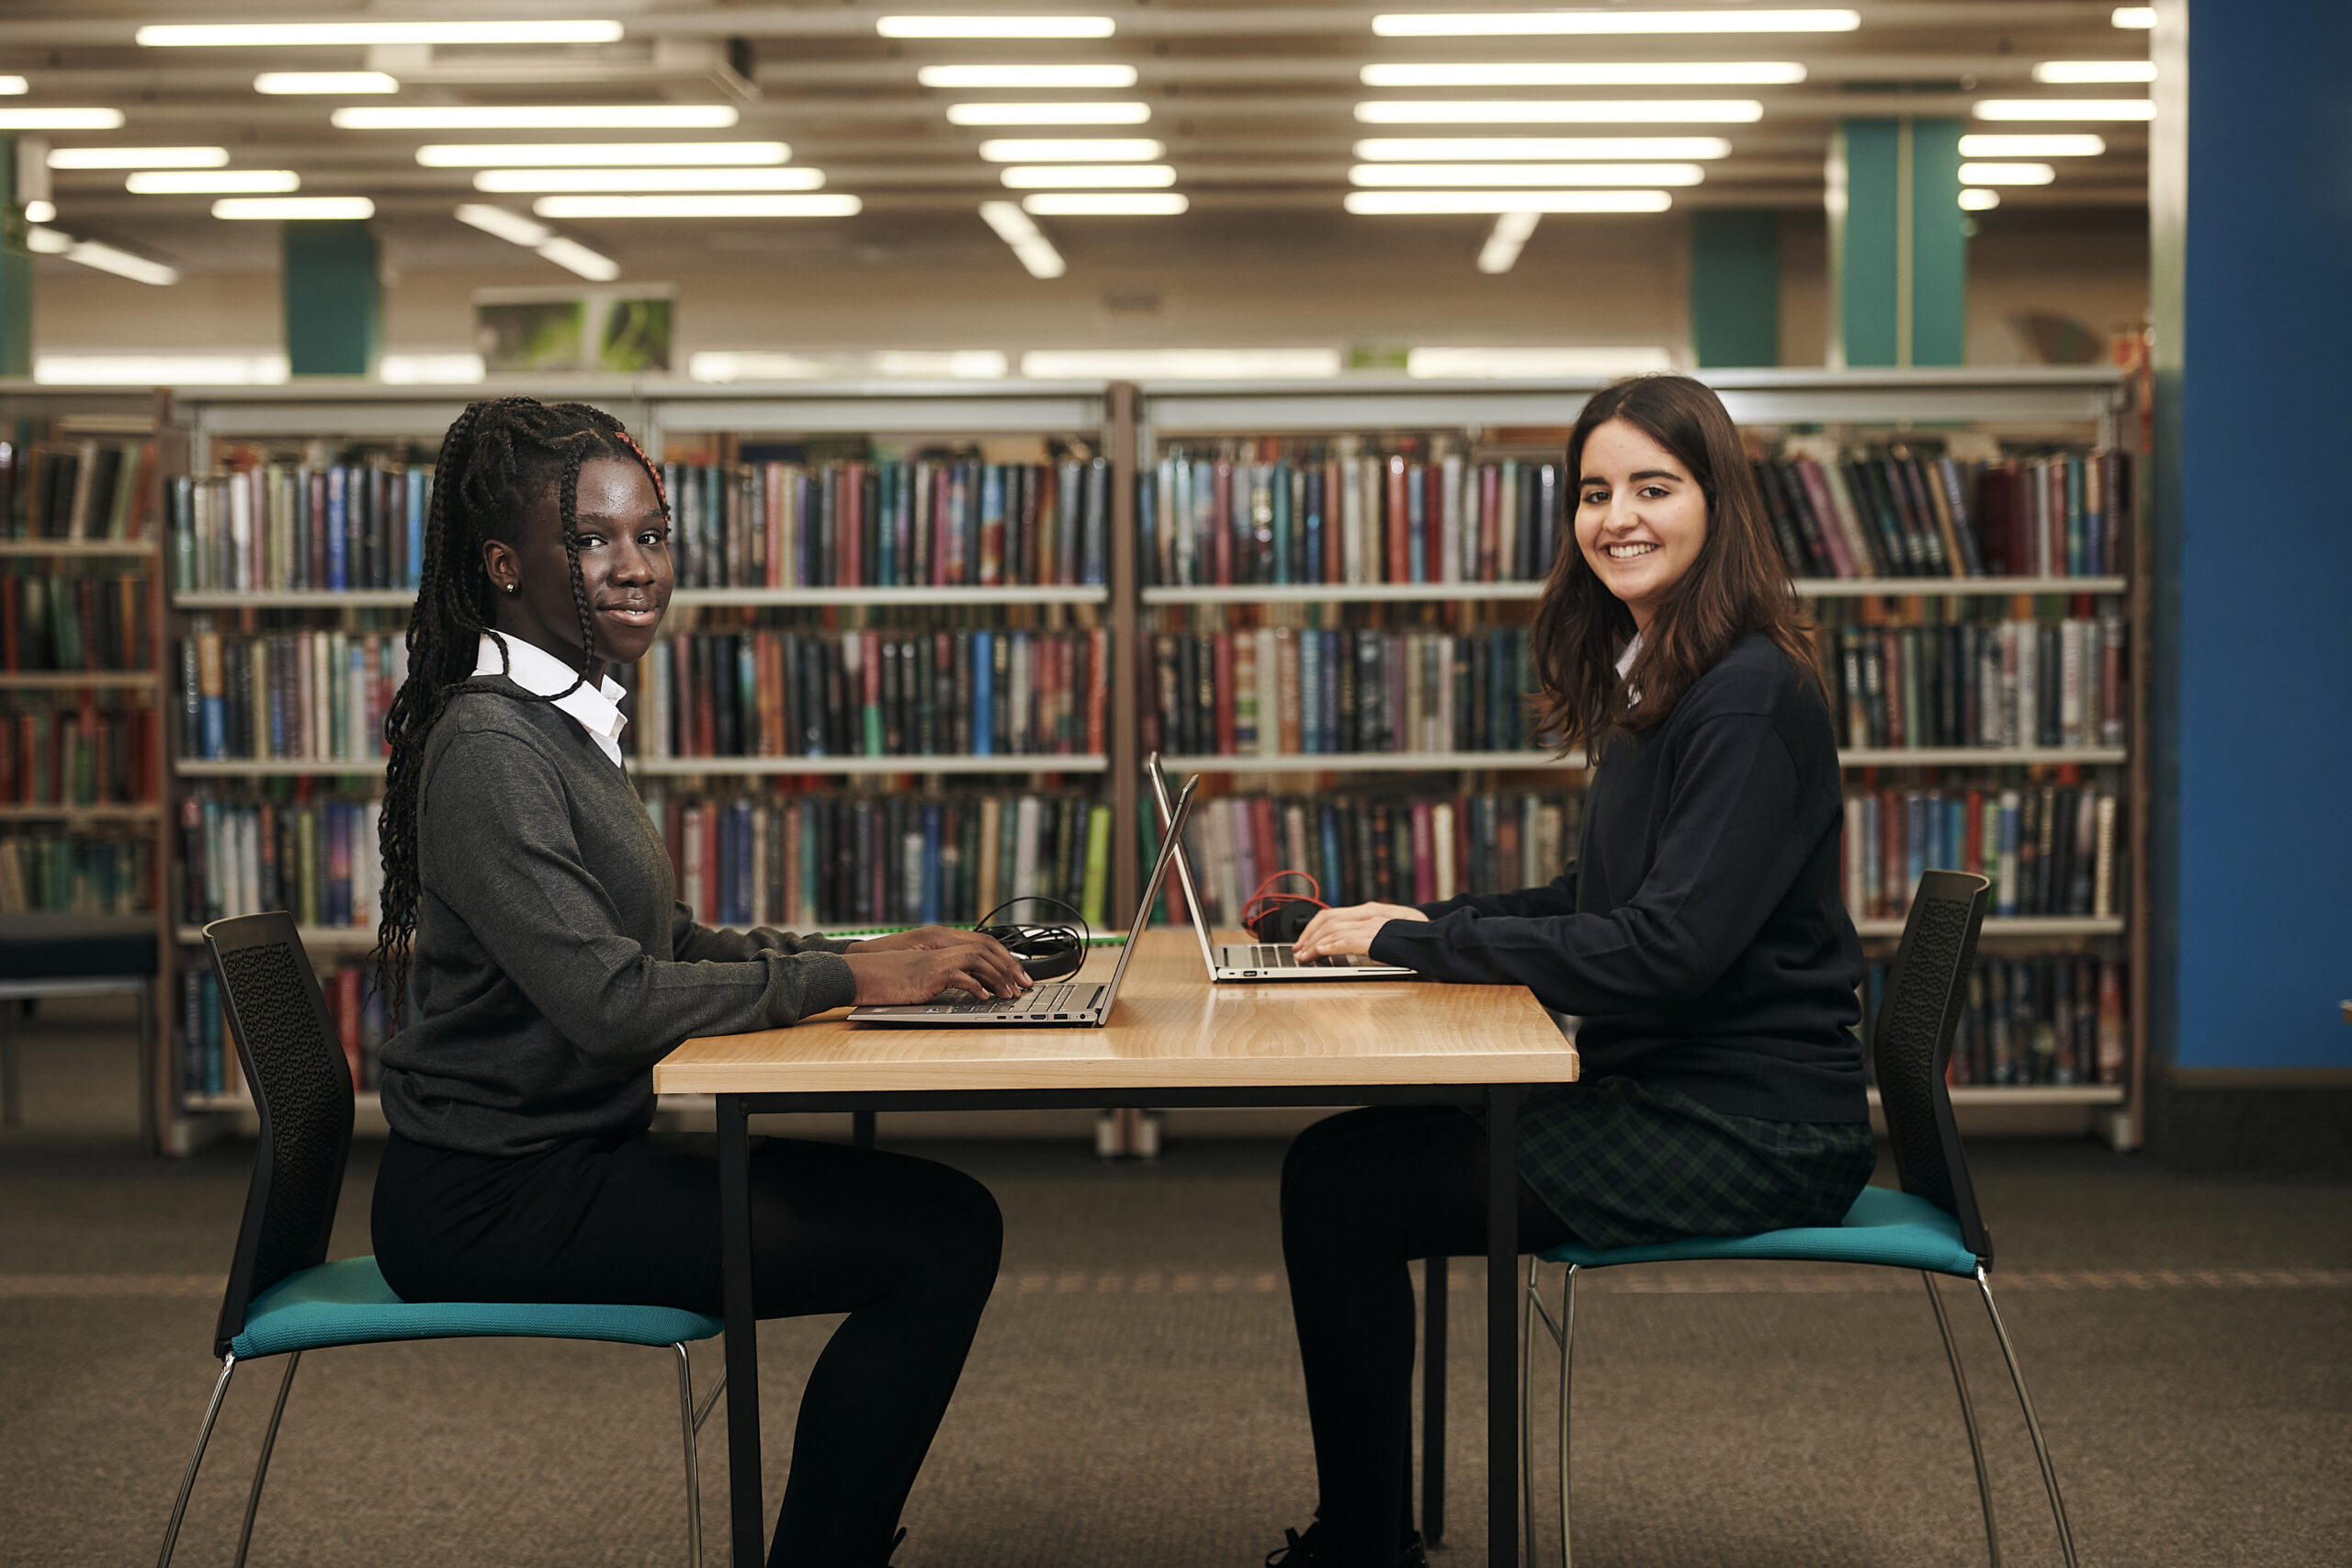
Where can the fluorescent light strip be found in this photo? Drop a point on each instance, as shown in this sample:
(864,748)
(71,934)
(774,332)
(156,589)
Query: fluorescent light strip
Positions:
(508,180)
(511,227)
(2065,109)
(137,157)
(160,369)
(278,35)
(573,256)
(1026,75)
(1105,204)
(1391,203)
(324,81)
(294,207)
(1976,198)
(38,211)
(1049,114)
(1504,242)
(1448,149)
(2078,144)
(211,182)
(597,154)
(1549,111)
(2137,17)
(12,85)
(1523,23)
(103,257)
(2007,173)
(1081,176)
(1030,247)
(1586,73)
(61,119)
(429,369)
(542,117)
(1071,149)
(712,206)
(2096,70)
(1180,363)
(994,26)
(1478,364)
(1407,176)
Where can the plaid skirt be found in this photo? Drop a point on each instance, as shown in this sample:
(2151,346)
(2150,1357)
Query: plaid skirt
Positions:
(1623,1165)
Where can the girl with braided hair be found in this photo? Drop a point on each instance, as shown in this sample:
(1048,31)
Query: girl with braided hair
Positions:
(529,915)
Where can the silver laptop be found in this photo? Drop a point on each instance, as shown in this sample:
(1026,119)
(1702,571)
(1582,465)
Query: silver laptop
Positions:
(1052,1005)
(1253,959)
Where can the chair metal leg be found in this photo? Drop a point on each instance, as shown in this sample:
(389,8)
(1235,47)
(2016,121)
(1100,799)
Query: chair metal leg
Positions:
(710,1400)
(1968,1419)
(2032,1425)
(194,1460)
(689,1424)
(261,1465)
(1527,1413)
(1567,1365)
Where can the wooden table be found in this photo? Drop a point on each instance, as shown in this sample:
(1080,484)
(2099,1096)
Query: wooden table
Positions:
(1174,1041)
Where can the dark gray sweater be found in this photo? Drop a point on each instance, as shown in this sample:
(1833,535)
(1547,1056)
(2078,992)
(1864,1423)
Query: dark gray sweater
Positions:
(553,965)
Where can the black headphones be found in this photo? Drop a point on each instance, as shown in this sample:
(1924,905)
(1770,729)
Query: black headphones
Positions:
(1046,952)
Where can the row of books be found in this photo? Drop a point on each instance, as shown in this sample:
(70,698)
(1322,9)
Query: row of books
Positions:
(2012,682)
(79,873)
(1273,691)
(2049,848)
(1305,516)
(315,856)
(876,692)
(73,620)
(67,488)
(98,750)
(273,526)
(2058,1018)
(1909,516)
(312,695)
(890,524)
(804,860)
(1398,851)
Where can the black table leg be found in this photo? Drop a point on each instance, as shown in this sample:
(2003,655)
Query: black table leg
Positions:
(1503,1328)
(747,1511)
(1433,1286)
(860,1129)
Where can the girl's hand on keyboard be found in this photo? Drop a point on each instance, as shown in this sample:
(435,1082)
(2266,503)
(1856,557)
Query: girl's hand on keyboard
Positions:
(909,976)
(1348,928)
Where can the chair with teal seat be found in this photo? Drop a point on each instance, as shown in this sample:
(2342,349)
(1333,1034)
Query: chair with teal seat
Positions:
(1932,1224)
(284,1298)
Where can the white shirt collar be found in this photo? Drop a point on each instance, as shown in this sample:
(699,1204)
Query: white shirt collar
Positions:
(597,709)
(1625,662)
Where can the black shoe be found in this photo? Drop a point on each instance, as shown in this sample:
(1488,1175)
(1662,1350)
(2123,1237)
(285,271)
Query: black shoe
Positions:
(1299,1550)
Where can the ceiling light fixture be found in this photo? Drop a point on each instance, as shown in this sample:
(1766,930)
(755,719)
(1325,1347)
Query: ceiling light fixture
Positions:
(1180,363)
(311,208)
(573,256)
(11,85)
(1391,203)
(2077,145)
(1026,75)
(1402,175)
(104,257)
(1071,149)
(1587,73)
(430,369)
(137,157)
(1522,24)
(293,35)
(712,206)
(1049,114)
(1481,364)
(1976,198)
(510,180)
(536,117)
(2137,17)
(40,211)
(511,227)
(1446,149)
(1510,235)
(1105,204)
(61,119)
(994,26)
(1082,176)
(1548,111)
(597,154)
(1030,247)
(2096,70)
(2065,109)
(2007,173)
(160,369)
(211,182)
(324,81)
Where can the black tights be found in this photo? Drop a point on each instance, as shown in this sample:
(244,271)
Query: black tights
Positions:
(907,1248)
(1364,1193)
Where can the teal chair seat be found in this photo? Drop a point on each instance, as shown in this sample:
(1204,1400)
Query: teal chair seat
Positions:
(1891,1229)
(348,1303)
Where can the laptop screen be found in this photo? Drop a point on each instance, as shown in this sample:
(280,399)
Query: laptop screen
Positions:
(1150,891)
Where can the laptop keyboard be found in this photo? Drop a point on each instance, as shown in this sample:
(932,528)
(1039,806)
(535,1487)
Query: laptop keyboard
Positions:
(1038,998)
(1278,955)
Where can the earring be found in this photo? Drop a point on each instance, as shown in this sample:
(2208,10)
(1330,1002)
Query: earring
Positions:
(513,588)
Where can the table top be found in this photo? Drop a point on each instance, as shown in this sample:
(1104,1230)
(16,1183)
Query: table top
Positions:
(1170,1029)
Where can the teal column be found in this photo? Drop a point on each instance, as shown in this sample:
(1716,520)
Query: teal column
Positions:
(1735,286)
(16,271)
(1899,243)
(335,297)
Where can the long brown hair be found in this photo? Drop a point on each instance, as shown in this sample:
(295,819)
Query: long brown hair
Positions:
(1738,584)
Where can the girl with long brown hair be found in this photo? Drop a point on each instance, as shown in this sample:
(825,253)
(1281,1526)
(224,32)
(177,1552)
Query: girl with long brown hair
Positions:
(1698,935)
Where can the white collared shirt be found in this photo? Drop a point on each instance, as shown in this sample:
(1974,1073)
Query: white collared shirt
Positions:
(1625,662)
(597,709)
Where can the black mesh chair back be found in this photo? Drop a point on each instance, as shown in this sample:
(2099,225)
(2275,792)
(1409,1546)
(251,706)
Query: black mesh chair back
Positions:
(302,1088)
(1912,1044)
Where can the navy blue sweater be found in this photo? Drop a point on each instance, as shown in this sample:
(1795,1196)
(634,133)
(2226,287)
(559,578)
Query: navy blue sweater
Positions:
(1701,934)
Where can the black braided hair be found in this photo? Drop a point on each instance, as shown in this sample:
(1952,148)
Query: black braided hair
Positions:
(497,455)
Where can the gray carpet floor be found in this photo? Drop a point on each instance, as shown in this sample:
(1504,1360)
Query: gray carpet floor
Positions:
(1134,1398)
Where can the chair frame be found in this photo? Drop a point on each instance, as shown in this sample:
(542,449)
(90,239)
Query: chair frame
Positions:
(1948,1188)
(246,1271)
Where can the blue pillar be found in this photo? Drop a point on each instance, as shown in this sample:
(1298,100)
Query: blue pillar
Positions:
(1899,243)
(1735,286)
(335,297)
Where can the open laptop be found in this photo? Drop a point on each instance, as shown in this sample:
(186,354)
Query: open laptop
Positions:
(1052,1004)
(1252,959)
